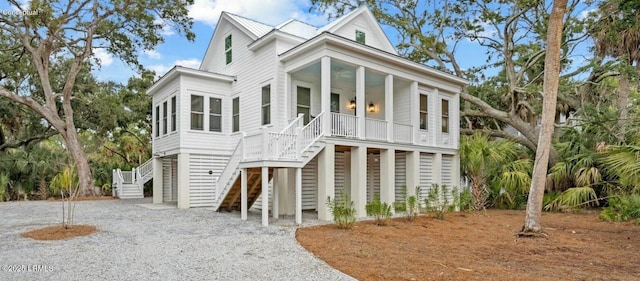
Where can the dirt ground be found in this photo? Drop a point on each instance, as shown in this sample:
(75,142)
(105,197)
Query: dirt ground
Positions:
(480,246)
(58,232)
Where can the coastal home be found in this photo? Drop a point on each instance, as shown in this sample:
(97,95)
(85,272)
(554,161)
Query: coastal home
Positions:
(292,114)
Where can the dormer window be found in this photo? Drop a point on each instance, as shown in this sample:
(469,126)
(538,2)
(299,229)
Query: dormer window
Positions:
(360,36)
(227,49)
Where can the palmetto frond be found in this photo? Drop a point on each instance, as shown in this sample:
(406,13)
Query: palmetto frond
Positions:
(573,198)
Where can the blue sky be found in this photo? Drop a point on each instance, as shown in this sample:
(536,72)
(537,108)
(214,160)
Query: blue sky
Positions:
(178,51)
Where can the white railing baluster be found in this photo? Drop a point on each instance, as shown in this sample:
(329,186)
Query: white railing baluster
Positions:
(402,133)
(375,129)
(344,125)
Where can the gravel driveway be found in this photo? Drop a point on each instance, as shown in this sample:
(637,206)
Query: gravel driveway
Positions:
(137,243)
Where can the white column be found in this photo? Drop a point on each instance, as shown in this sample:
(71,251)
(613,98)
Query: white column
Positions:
(359,179)
(183,181)
(243,194)
(387,176)
(388,105)
(325,93)
(275,194)
(415,105)
(413,172)
(157,180)
(298,196)
(326,184)
(360,101)
(265,196)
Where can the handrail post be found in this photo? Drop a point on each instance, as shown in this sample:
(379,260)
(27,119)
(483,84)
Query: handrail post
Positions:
(298,142)
(243,136)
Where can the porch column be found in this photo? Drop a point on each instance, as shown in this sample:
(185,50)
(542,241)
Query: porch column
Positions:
(326,183)
(388,105)
(325,93)
(265,196)
(360,102)
(157,180)
(415,104)
(183,181)
(276,185)
(359,179)
(243,194)
(413,172)
(298,196)
(387,176)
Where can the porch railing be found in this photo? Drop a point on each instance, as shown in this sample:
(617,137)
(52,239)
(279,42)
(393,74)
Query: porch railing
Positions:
(344,125)
(311,132)
(402,133)
(375,129)
(253,146)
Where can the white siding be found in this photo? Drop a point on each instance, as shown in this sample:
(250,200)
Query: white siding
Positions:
(373,176)
(401,102)
(372,37)
(202,184)
(169,179)
(170,141)
(401,175)
(426,174)
(447,174)
(310,185)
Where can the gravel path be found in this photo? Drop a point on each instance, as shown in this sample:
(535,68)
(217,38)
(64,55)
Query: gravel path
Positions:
(136,243)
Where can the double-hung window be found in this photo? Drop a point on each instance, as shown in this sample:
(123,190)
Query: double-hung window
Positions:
(215,115)
(227,49)
(236,114)
(173,114)
(445,116)
(266,105)
(424,113)
(164,118)
(157,121)
(197,112)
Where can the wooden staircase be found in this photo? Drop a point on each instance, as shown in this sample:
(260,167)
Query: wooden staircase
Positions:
(254,189)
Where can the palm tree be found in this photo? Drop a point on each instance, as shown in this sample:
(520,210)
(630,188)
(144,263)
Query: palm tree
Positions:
(480,158)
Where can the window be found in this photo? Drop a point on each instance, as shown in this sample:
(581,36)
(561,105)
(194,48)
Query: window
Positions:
(227,49)
(304,103)
(215,115)
(164,118)
(236,114)
(173,113)
(335,103)
(197,112)
(360,36)
(266,105)
(157,121)
(445,116)
(424,113)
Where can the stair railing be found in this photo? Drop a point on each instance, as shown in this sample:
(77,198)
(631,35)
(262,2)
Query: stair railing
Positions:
(225,180)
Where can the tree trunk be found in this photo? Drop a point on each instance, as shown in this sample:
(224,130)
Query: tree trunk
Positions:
(550,88)
(85,179)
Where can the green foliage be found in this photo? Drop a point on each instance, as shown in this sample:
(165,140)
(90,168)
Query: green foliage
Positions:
(441,200)
(573,198)
(412,204)
(380,211)
(466,200)
(66,182)
(4,184)
(344,213)
(622,208)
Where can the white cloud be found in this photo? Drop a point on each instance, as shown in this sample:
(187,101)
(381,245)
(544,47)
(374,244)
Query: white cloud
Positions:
(103,57)
(161,69)
(152,54)
(191,63)
(166,30)
(272,12)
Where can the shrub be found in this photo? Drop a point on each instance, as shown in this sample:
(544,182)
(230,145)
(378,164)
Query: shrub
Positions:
(465,202)
(412,204)
(622,208)
(380,211)
(344,213)
(441,200)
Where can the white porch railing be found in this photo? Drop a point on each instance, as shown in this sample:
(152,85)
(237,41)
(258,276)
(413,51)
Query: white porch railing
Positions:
(402,133)
(127,176)
(252,146)
(344,125)
(311,132)
(225,181)
(375,129)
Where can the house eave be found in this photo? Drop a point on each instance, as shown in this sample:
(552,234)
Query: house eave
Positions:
(366,50)
(271,36)
(177,70)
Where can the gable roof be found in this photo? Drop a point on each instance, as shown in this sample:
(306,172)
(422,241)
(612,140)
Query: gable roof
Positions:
(257,29)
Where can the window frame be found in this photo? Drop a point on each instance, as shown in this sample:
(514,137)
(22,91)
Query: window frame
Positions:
(265,105)
(165,117)
(228,47)
(334,103)
(174,114)
(424,126)
(157,134)
(200,114)
(444,115)
(235,114)
(364,36)
(215,114)
(307,117)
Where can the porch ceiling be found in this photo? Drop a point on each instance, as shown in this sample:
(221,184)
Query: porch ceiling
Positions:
(343,75)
